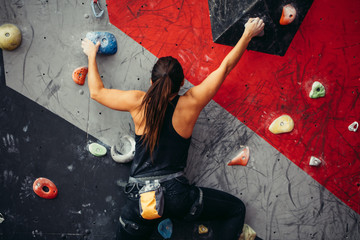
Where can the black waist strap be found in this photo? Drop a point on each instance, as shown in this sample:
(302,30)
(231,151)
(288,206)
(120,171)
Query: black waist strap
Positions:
(162,178)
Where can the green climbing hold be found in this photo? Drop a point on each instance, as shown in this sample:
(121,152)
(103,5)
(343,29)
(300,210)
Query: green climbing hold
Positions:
(317,90)
(97,149)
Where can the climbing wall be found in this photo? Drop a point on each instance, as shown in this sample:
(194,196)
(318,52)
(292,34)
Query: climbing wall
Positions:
(263,87)
(47,121)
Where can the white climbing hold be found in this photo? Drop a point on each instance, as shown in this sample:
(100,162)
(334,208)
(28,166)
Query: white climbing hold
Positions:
(127,157)
(314,161)
(354,126)
(282,124)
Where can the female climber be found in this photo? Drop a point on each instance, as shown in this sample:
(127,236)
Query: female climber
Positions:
(164,122)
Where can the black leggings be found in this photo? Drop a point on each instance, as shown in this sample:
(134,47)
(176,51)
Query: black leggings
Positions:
(180,198)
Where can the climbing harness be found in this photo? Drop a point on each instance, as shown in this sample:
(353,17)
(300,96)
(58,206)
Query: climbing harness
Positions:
(96,8)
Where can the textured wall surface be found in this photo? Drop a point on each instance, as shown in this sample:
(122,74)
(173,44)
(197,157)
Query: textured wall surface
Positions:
(46,122)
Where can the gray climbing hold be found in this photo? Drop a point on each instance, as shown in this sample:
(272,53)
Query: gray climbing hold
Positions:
(314,161)
(127,157)
(317,90)
(354,126)
(81,92)
(97,150)
(86,15)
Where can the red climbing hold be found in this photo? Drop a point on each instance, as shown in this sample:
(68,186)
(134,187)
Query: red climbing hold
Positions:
(79,75)
(288,14)
(242,158)
(45,188)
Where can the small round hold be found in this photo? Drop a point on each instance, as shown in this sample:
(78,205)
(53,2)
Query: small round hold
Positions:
(86,15)
(45,188)
(87,231)
(97,150)
(10,37)
(63,236)
(81,92)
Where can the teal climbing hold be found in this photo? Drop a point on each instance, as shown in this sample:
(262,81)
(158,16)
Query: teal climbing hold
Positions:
(97,150)
(317,90)
(165,228)
(108,44)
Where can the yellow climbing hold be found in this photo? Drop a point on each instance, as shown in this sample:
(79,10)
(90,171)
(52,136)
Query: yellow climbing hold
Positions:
(10,37)
(282,124)
(203,229)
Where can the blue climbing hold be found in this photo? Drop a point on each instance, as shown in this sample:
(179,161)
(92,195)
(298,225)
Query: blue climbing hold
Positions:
(165,228)
(108,44)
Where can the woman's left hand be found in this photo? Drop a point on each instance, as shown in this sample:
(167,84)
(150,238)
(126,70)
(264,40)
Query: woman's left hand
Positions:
(89,48)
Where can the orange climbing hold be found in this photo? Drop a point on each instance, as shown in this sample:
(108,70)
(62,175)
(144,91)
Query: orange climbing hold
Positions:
(45,188)
(79,75)
(288,14)
(242,158)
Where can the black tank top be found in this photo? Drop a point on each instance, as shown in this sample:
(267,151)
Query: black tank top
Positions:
(170,154)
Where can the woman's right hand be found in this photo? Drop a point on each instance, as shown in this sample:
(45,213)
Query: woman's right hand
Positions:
(254,27)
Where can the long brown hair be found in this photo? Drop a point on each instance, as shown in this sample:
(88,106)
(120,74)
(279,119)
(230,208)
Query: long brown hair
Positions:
(166,76)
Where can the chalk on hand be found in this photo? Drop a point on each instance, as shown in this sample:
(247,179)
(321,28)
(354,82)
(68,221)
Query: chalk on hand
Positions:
(260,34)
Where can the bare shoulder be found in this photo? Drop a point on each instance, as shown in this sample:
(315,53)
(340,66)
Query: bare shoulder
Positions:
(185,115)
(189,102)
(135,97)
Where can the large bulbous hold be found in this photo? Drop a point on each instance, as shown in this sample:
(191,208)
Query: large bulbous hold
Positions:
(10,37)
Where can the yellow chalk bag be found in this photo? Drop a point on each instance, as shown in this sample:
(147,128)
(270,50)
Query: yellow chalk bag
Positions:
(151,201)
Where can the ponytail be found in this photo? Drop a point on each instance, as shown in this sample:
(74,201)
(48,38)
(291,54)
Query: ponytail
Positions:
(166,76)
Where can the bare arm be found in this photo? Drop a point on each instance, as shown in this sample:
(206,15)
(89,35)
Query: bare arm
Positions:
(205,91)
(112,98)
